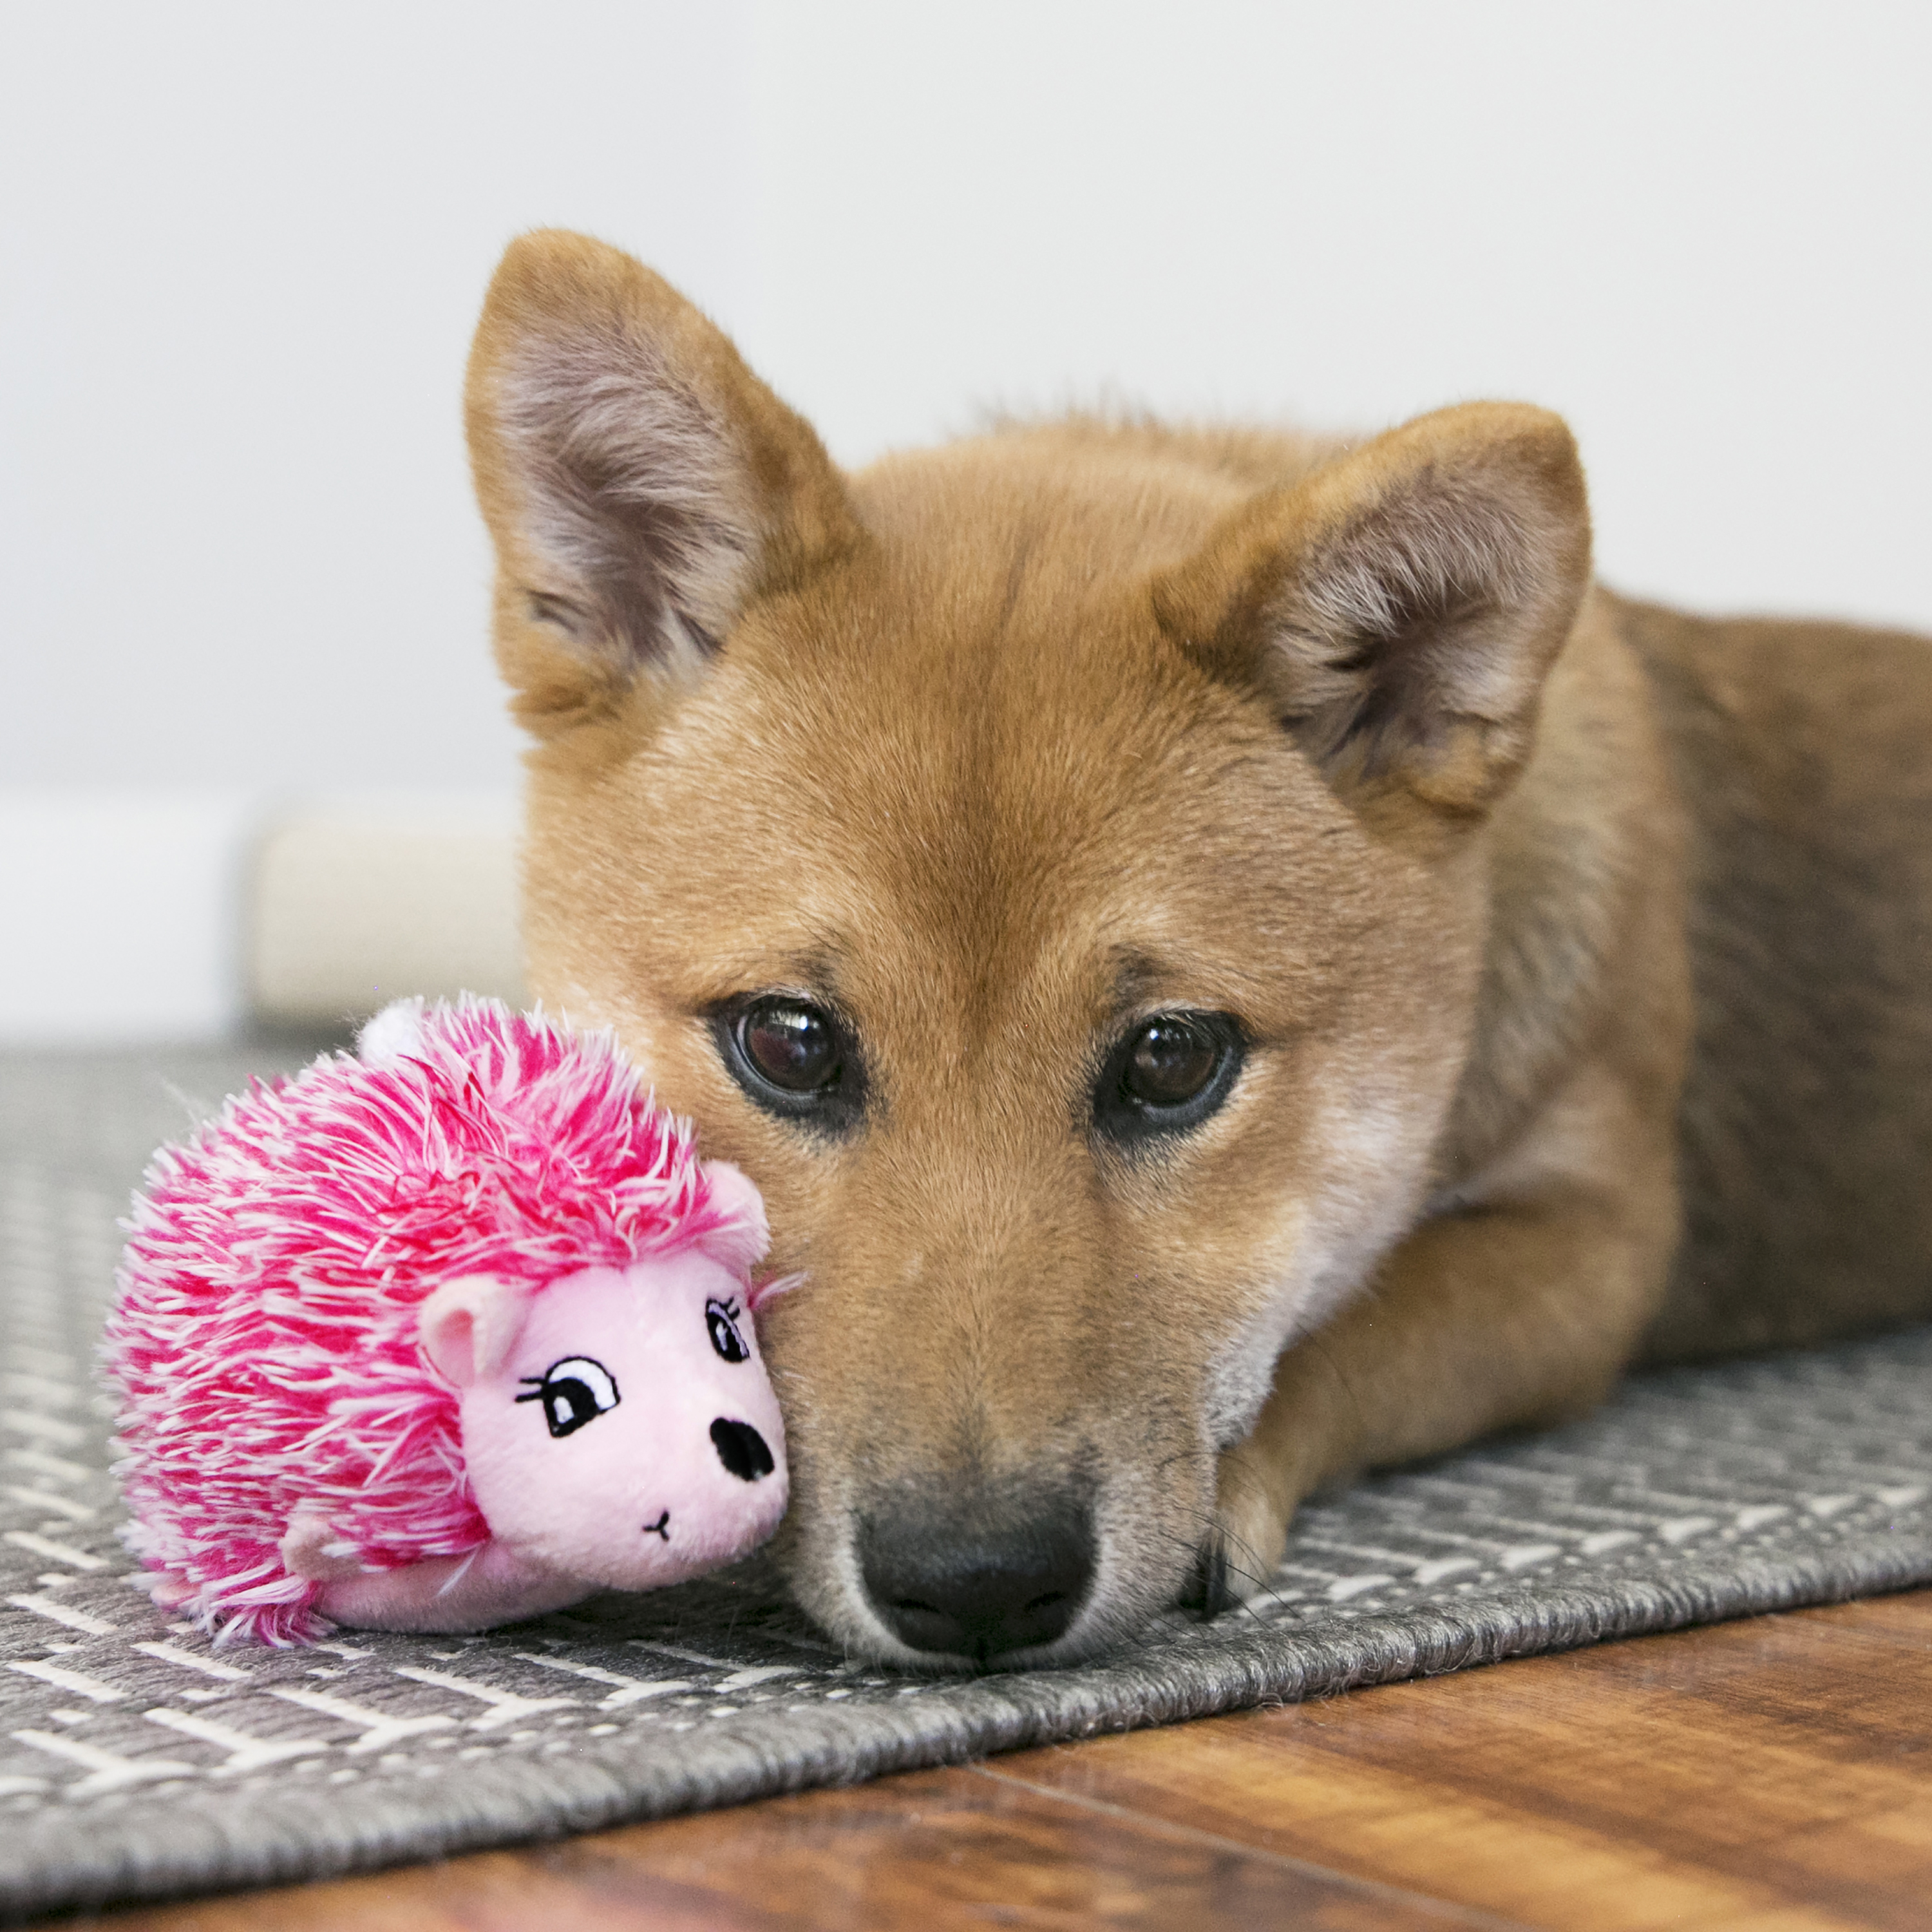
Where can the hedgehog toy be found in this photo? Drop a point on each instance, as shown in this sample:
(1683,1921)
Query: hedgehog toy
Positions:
(448,1332)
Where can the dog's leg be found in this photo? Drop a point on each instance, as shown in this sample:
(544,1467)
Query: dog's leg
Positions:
(1518,1311)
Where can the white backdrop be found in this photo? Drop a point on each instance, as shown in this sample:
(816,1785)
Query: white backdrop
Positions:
(1703,231)
(241,248)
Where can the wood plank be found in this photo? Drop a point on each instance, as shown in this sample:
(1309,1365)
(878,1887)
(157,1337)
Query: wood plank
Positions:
(1773,1772)
(932,1850)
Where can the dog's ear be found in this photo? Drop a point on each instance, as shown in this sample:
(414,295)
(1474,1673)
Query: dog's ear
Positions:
(640,484)
(1400,607)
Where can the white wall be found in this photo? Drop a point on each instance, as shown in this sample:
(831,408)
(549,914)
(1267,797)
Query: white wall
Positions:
(1704,231)
(122,914)
(241,248)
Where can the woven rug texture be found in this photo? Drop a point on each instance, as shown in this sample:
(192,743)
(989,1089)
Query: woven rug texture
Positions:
(136,1761)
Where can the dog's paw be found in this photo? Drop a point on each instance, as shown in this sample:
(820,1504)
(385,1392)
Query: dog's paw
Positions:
(1239,1555)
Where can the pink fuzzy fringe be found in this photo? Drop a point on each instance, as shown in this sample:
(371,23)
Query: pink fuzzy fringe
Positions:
(265,1340)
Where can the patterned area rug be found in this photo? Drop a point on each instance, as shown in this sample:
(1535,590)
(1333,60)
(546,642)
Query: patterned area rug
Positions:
(135,1762)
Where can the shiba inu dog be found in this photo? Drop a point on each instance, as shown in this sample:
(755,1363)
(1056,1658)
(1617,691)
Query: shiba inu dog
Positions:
(1230,959)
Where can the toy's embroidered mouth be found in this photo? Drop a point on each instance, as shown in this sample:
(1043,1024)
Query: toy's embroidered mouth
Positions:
(661,1528)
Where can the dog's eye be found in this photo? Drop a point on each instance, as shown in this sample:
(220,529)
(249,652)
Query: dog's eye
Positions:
(1169,1061)
(1169,1074)
(792,1056)
(793,1046)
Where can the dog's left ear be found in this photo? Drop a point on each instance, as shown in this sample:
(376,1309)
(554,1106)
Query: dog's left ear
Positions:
(1400,607)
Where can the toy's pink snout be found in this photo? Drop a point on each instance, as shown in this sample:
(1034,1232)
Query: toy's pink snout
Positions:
(618,1427)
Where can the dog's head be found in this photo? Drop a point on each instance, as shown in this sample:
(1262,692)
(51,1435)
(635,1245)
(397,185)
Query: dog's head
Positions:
(1049,866)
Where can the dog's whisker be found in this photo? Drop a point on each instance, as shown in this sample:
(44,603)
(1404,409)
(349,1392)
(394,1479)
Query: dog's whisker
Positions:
(1216,1527)
(1218,1533)
(1255,1577)
(1320,1345)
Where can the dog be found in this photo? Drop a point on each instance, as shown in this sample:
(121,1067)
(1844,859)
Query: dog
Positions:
(1232,960)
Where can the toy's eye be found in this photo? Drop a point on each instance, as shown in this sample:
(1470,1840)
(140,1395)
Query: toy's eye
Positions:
(724,1336)
(573,1392)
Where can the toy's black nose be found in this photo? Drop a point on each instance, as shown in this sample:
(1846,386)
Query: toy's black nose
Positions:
(977,1587)
(742,1450)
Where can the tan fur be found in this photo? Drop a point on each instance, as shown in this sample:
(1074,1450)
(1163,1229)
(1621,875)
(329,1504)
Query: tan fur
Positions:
(998,748)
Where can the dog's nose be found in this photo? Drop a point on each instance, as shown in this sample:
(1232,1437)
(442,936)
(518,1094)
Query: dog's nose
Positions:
(944,1585)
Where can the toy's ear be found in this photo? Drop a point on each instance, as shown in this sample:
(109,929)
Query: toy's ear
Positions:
(394,1034)
(744,1236)
(468,1327)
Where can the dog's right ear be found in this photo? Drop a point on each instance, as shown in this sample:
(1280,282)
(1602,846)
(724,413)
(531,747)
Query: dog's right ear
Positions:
(642,486)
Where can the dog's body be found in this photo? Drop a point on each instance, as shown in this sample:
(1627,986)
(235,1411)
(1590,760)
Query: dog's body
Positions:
(1200,940)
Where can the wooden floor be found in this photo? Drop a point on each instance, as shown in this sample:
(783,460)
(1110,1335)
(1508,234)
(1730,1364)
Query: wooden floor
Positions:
(1769,1774)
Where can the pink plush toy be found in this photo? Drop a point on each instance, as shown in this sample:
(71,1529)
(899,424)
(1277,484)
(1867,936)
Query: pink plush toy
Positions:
(444,1335)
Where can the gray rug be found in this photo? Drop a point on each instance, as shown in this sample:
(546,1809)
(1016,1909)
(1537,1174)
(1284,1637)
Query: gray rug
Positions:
(136,1763)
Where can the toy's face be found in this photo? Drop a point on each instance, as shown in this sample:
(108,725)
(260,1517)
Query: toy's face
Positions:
(623,1430)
